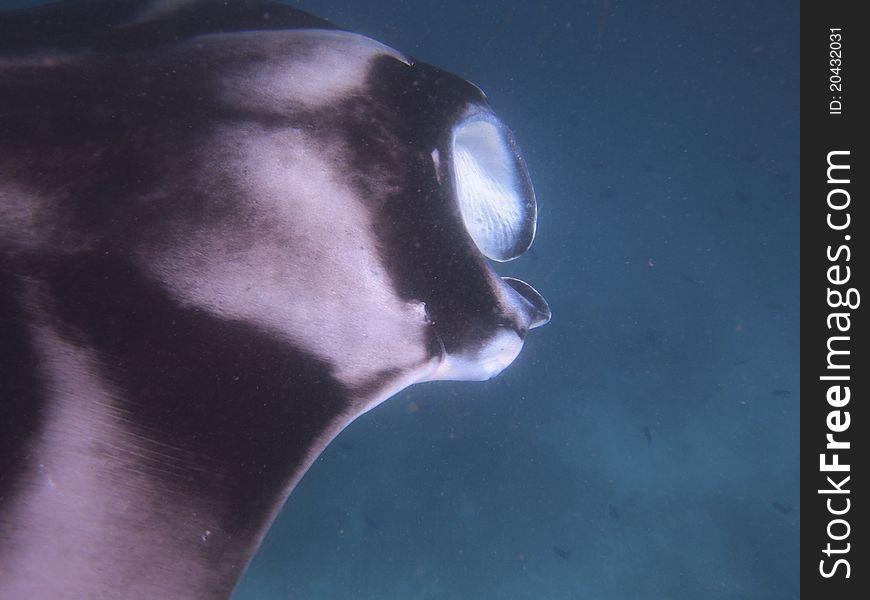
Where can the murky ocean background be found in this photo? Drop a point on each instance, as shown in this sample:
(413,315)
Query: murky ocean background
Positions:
(645,443)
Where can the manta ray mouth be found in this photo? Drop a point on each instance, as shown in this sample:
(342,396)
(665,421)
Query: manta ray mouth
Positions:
(525,309)
(482,363)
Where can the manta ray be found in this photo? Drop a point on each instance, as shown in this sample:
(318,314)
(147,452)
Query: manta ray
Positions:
(227,229)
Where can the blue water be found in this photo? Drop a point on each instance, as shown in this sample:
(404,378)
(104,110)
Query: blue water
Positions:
(662,138)
(645,443)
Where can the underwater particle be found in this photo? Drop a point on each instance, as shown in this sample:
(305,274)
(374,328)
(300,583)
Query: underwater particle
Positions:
(562,553)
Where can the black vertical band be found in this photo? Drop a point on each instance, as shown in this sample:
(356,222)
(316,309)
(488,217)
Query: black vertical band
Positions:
(834,370)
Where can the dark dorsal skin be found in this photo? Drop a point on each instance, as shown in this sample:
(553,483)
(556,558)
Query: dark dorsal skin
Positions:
(226,230)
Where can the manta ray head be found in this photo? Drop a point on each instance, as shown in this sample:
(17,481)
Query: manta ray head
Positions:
(226,230)
(355,217)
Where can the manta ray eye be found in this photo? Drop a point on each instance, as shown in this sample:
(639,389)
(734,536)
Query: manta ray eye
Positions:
(493,188)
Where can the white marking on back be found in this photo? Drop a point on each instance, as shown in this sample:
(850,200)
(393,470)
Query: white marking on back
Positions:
(299,256)
(285,71)
(157,9)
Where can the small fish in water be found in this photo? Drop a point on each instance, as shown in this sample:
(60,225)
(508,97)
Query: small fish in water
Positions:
(689,279)
(782,393)
(648,435)
(562,553)
(371,522)
(612,512)
(786,510)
